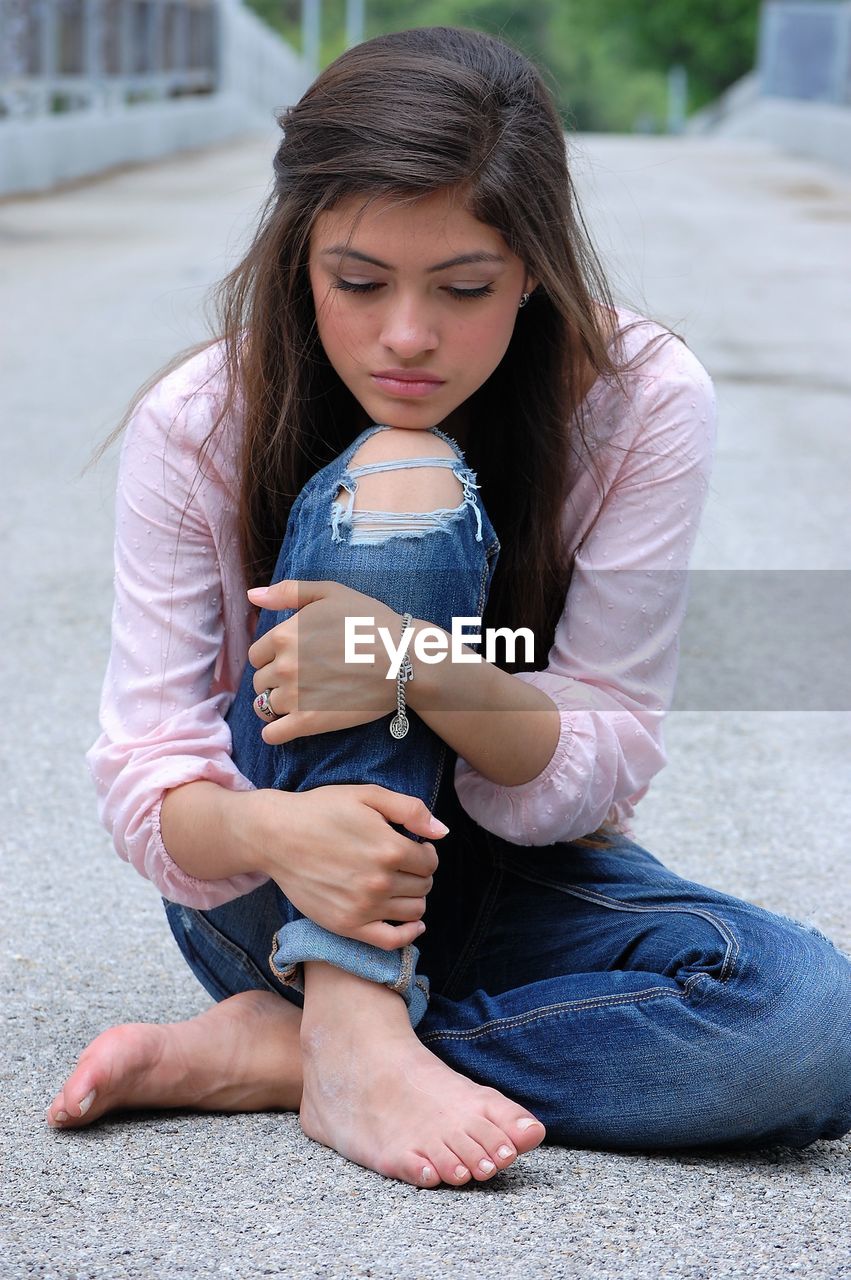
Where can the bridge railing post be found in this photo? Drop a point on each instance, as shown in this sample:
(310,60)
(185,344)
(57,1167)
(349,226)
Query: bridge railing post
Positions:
(72,55)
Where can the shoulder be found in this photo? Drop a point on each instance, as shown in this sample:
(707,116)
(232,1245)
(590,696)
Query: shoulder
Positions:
(179,411)
(665,394)
(662,367)
(178,438)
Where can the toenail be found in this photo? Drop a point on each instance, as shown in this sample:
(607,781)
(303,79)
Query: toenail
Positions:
(526,1123)
(505,1152)
(461,1171)
(87,1101)
(427,1173)
(487,1166)
(61,1117)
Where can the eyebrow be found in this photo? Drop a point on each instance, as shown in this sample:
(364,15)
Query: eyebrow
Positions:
(341,251)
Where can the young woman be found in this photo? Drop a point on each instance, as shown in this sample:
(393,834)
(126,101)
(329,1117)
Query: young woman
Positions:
(424,418)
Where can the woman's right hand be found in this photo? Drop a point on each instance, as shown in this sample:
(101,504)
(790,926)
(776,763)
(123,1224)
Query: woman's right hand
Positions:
(334,854)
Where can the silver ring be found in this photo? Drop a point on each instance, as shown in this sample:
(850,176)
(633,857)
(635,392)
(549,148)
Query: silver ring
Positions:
(263,706)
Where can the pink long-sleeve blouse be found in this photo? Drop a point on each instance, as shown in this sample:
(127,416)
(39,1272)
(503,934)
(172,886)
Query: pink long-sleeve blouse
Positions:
(182,623)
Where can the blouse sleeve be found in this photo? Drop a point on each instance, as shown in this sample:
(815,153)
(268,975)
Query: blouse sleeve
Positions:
(612,668)
(163,705)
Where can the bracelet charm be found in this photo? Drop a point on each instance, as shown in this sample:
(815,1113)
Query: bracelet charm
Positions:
(400,723)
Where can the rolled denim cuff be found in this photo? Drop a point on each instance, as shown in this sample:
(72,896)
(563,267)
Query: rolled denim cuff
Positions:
(302,940)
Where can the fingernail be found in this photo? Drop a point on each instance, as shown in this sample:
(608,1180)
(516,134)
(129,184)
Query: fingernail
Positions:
(420,929)
(487,1166)
(439,828)
(504,1153)
(259,592)
(87,1101)
(526,1123)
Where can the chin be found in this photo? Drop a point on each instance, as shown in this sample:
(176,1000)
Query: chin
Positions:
(424,425)
(409,417)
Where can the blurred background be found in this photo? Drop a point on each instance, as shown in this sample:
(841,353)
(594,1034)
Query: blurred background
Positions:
(622,66)
(608,60)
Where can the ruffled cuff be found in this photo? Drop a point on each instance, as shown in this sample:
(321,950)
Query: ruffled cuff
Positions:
(177,885)
(590,778)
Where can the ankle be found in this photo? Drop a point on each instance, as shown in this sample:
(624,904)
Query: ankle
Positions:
(337,1003)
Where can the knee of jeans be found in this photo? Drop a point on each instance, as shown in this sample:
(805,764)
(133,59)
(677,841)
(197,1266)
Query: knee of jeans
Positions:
(383,496)
(801,1048)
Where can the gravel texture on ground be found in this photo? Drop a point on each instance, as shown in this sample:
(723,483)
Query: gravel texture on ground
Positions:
(744,251)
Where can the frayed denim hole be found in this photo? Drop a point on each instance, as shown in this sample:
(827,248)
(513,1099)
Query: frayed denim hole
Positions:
(368,526)
(339,512)
(377,528)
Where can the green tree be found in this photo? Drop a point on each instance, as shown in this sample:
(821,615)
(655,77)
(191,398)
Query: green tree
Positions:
(715,40)
(606,61)
(587,66)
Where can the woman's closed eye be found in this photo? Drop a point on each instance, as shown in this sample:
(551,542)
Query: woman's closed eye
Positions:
(357,286)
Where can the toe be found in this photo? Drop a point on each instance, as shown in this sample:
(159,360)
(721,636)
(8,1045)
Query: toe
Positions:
(451,1167)
(527,1131)
(498,1146)
(475,1157)
(521,1128)
(56,1114)
(51,1109)
(85,1103)
(78,1101)
(422,1172)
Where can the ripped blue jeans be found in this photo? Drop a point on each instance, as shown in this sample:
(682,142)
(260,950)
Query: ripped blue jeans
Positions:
(418,563)
(626,1007)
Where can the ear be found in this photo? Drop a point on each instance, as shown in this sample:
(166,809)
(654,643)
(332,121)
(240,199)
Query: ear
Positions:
(531,283)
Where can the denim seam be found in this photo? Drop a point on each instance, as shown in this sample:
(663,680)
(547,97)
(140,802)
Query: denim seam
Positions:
(690,984)
(406,969)
(483,586)
(615,904)
(435,791)
(292,975)
(480,925)
(235,953)
(442,762)
(565,1006)
(288,976)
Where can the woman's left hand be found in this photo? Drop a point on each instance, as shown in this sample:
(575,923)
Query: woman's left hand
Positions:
(303,660)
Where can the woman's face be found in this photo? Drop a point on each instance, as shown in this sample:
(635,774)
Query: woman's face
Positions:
(415,304)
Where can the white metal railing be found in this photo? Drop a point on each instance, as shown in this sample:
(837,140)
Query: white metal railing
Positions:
(805,50)
(68,55)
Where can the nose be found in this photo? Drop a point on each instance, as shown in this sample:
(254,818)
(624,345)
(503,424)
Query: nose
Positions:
(407,328)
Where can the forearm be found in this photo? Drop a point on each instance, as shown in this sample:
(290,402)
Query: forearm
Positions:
(506,729)
(214,833)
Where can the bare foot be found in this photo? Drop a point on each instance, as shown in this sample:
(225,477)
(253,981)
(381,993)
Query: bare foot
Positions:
(241,1055)
(379,1097)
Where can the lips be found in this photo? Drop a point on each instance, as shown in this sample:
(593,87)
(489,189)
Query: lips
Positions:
(406,382)
(408,375)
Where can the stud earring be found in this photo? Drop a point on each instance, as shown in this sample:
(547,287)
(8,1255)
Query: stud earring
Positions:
(523,300)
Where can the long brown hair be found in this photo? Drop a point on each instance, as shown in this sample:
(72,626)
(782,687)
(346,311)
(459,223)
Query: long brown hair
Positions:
(405,115)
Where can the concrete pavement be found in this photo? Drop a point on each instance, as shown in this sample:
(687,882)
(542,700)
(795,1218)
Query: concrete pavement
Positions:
(745,252)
